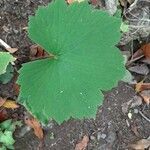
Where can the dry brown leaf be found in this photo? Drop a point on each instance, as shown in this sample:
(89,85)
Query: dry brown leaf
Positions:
(82,144)
(2,101)
(12,50)
(146,99)
(146,50)
(3,115)
(141,145)
(140,86)
(16,88)
(37,52)
(34,123)
(145,86)
(10,104)
(145,96)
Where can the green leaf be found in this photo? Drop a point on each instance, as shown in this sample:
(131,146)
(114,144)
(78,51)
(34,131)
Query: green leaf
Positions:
(7,76)
(3,147)
(12,127)
(5,59)
(6,138)
(6,124)
(124,27)
(10,147)
(85,61)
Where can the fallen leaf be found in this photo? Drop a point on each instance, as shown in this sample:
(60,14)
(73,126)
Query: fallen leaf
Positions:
(146,50)
(146,96)
(2,101)
(3,115)
(145,86)
(139,69)
(141,145)
(16,88)
(140,86)
(34,123)
(37,52)
(10,104)
(146,99)
(82,144)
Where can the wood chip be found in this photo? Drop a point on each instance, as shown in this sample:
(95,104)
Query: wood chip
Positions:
(82,144)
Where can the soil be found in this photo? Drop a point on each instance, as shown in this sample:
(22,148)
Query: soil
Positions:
(113,128)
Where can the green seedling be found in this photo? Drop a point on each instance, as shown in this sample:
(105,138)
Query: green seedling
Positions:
(6,134)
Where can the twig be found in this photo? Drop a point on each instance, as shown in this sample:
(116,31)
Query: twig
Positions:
(144,116)
(4,44)
(133,60)
(7,47)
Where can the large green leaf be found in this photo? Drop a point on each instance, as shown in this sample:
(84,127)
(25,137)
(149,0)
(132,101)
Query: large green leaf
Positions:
(85,61)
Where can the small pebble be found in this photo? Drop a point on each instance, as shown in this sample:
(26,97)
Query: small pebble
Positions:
(130,115)
(136,111)
(15,31)
(101,136)
(92,137)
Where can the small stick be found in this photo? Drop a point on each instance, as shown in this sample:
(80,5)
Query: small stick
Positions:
(133,60)
(4,44)
(7,47)
(144,116)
